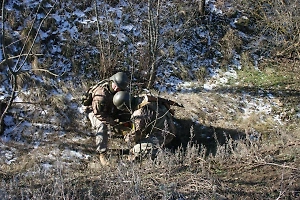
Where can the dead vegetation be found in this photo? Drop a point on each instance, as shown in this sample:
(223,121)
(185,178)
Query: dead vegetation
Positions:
(239,140)
(245,157)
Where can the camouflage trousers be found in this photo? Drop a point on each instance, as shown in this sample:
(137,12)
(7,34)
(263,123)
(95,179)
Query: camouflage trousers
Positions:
(146,147)
(101,131)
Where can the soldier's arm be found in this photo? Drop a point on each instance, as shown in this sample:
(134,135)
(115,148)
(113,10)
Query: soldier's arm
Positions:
(99,105)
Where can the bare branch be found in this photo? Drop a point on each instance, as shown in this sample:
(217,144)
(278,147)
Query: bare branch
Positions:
(3,35)
(283,166)
(45,70)
(40,25)
(99,38)
(13,57)
(153,39)
(11,69)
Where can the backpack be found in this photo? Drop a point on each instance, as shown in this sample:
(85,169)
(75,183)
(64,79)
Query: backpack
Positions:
(87,98)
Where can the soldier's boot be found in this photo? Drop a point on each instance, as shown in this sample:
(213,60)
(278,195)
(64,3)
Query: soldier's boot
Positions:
(103,159)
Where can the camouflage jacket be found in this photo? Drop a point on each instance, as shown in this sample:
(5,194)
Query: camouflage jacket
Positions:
(102,103)
(152,119)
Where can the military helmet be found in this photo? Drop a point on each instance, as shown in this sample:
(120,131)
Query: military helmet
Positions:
(120,79)
(122,100)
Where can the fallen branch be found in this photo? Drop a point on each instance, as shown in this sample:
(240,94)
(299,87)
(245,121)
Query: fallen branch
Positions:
(278,165)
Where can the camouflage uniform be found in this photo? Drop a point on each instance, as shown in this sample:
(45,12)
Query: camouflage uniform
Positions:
(153,127)
(102,114)
(99,106)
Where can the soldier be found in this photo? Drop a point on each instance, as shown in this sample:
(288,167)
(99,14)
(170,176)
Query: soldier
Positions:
(153,125)
(101,111)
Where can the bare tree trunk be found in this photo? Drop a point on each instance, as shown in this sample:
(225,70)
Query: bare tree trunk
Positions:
(153,40)
(201,7)
(5,106)
(101,48)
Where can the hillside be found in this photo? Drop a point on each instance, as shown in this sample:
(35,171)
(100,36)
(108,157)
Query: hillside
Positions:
(238,133)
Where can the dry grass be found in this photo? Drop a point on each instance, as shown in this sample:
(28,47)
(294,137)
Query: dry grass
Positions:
(227,146)
(240,170)
(253,157)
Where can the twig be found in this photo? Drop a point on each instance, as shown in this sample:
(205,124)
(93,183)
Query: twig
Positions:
(278,165)
(45,70)
(13,57)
